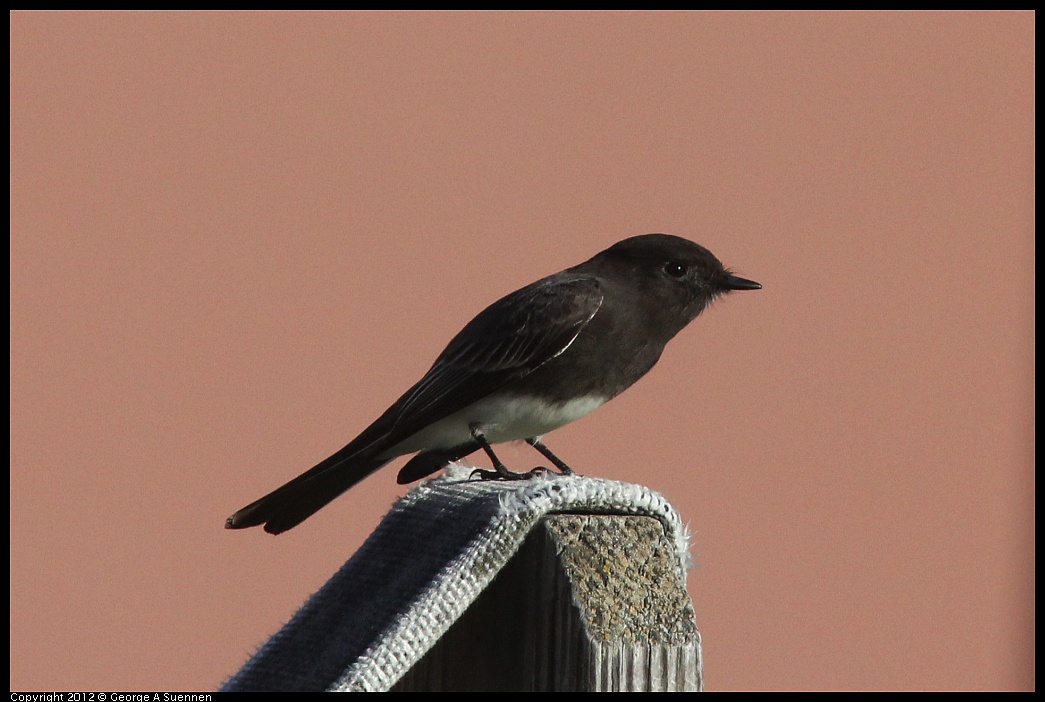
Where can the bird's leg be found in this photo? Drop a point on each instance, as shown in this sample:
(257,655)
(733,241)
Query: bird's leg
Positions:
(546,452)
(500,472)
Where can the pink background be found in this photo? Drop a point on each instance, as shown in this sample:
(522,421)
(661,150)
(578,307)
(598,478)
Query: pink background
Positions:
(236,238)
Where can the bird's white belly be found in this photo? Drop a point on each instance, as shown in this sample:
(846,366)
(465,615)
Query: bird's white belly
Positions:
(501,419)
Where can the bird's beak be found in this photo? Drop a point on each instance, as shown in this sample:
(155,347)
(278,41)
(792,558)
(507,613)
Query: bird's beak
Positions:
(737,283)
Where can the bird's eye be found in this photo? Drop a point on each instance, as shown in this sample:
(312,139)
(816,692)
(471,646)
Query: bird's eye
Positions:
(675,270)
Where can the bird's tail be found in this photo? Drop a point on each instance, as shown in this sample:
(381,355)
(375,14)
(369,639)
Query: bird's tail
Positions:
(286,507)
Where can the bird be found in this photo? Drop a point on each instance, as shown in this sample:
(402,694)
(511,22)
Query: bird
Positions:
(532,362)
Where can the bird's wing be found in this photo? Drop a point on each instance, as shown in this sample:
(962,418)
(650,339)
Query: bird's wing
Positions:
(508,340)
(511,338)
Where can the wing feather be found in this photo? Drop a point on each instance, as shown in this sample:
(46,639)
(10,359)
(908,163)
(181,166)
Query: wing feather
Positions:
(509,339)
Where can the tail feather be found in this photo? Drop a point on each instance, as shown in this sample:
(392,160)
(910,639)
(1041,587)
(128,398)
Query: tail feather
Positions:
(287,506)
(427,462)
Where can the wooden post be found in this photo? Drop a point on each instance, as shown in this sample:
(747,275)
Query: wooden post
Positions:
(589,603)
(558,584)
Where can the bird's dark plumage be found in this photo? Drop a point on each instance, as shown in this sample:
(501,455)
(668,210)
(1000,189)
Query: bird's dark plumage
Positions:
(529,363)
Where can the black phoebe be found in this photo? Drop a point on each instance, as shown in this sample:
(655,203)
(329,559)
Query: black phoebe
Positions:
(531,362)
